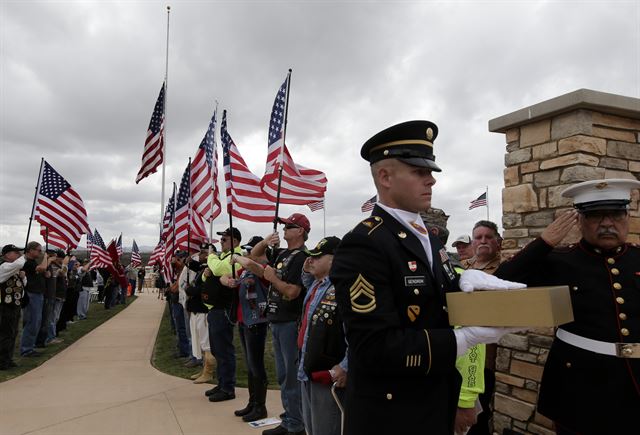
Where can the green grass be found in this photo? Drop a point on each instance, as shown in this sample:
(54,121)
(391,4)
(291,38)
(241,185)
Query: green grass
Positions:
(96,316)
(165,348)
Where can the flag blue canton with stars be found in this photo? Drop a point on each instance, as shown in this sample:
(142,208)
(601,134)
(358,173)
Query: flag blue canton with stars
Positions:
(208,142)
(53,185)
(158,113)
(277,114)
(225,138)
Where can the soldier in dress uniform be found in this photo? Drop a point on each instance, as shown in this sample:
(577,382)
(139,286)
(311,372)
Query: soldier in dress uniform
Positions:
(591,380)
(391,276)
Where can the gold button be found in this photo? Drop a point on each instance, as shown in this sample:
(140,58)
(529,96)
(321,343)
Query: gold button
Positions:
(624,331)
(610,260)
(386,152)
(574,288)
(568,365)
(416,291)
(620,300)
(389,396)
(615,271)
(617,285)
(622,316)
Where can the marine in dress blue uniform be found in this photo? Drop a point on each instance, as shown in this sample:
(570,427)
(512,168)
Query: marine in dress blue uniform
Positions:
(591,380)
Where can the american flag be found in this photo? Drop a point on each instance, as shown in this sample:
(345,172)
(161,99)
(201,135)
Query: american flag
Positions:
(136,260)
(245,199)
(190,229)
(53,239)
(119,245)
(479,201)
(153,153)
(60,209)
(89,241)
(369,204)
(204,175)
(315,206)
(169,217)
(300,185)
(157,254)
(100,258)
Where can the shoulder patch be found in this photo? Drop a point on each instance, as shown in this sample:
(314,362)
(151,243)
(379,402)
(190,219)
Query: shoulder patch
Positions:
(370,224)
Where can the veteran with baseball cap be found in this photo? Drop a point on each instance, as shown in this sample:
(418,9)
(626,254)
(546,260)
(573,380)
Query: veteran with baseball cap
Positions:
(297,219)
(410,142)
(326,246)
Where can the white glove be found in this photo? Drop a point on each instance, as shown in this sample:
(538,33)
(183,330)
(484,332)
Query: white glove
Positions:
(469,336)
(471,280)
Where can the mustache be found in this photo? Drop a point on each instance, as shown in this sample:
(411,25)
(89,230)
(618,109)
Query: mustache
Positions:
(607,232)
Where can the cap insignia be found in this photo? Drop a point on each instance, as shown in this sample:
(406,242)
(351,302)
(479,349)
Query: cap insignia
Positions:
(429,133)
(601,185)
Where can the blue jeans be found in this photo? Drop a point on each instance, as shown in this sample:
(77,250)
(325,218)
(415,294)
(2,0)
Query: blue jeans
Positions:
(183,342)
(32,317)
(285,349)
(221,340)
(320,412)
(253,340)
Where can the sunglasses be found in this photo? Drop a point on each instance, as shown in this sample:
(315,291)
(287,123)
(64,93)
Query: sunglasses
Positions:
(290,226)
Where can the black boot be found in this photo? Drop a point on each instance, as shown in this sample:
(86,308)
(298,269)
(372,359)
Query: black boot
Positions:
(259,410)
(247,409)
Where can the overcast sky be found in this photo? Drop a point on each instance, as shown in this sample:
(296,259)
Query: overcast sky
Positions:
(78,82)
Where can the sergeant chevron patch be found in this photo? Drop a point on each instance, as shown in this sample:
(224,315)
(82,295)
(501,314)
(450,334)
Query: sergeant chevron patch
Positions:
(363,297)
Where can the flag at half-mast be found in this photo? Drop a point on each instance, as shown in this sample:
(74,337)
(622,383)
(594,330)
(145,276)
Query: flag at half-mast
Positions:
(479,201)
(300,185)
(153,153)
(136,259)
(60,210)
(245,199)
(204,175)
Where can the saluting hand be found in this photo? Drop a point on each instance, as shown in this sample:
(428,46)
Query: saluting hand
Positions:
(559,228)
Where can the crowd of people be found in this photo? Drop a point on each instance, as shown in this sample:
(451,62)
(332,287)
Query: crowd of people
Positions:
(359,325)
(52,290)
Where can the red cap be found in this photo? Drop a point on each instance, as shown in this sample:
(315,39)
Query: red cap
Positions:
(297,219)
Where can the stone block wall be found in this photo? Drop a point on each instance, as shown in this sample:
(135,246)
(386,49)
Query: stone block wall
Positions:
(581,136)
(547,156)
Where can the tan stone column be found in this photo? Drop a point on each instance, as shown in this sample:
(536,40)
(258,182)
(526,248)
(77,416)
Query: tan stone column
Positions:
(580,136)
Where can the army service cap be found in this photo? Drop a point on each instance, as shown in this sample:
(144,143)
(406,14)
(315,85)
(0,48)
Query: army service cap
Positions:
(607,194)
(410,142)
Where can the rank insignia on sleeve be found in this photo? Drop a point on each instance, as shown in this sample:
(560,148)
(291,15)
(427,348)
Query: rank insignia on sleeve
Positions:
(413,311)
(363,297)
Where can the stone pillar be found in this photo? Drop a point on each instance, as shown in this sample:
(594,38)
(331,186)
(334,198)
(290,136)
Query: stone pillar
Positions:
(580,136)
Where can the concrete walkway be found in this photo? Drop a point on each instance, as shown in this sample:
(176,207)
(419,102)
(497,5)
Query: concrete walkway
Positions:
(105,384)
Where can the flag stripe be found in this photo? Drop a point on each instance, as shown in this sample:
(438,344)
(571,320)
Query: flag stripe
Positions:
(152,154)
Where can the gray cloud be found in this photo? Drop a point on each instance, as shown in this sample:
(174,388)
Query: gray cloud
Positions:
(79,81)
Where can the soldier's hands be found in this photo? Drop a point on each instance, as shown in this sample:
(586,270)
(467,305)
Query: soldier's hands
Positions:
(270,274)
(559,228)
(339,376)
(469,336)
(465,418)
(471,280)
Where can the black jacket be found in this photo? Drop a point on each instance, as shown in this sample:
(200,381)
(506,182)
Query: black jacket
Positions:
(584,391)
(402,351)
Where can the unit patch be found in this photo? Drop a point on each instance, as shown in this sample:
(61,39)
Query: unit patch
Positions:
(413,311)
(363,297)
(413,266)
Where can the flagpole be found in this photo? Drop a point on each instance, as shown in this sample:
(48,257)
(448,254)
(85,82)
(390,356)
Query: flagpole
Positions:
(281,162)
(173,222)
(35,196)
(164,117)
(213,181)
(230,200)
(487,195)
(324,218)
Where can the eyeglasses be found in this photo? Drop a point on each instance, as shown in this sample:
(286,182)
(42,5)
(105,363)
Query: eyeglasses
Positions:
(597,216)
(290,226)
